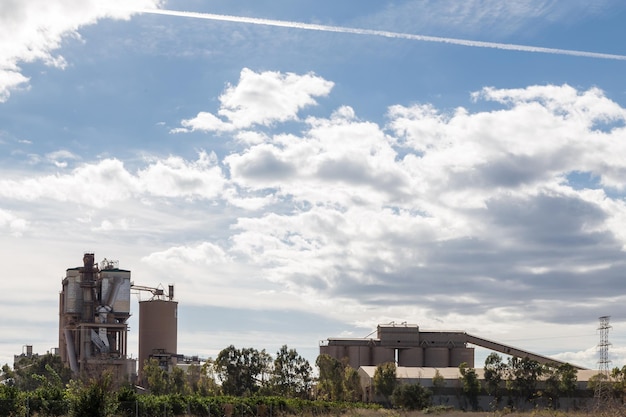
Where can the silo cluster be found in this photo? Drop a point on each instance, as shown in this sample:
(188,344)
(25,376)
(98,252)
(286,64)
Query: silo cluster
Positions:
(404,345)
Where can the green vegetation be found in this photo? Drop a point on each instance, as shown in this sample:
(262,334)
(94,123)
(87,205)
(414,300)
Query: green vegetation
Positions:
(337,380)
(251,383)
(385,381)
(471,385)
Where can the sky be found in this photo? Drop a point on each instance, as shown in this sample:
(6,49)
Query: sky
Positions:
(305,170)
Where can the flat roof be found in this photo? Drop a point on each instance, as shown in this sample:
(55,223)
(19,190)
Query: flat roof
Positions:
(418,372)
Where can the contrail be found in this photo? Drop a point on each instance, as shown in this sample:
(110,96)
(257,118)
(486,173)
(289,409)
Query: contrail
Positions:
(386,34)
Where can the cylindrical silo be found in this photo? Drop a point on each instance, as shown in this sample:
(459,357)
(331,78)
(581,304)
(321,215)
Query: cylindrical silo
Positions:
(158,328)
(411,357)
(383,355)
(71,291)
(337,352)
(360,355)
(460,355)
(436,357)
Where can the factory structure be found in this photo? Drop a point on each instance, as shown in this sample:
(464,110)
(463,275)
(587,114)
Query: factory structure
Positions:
(94,309)
(420,355)
(407,346)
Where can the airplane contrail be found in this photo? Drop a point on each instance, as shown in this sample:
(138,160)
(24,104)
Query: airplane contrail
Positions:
(386,34)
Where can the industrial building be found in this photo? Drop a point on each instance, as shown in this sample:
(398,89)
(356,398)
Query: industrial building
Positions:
(407,346)
(158,328)
(420,355)
(94,308)
(450,390)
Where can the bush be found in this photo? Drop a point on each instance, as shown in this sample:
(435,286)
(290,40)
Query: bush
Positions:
(9,400)
(411,397)
(94,399)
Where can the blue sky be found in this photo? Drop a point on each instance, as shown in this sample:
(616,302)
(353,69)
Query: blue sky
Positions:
(301,184)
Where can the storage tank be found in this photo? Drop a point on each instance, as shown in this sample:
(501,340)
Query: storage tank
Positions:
(359,356)
(460,355)
(71,291)
(337,352)
(411,357)
(158,328)
(437,357)
(383,355)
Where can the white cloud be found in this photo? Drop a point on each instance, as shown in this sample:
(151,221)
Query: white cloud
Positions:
(107,181)
(205,254)
(469,220)
(260,99)
(60,158)
(32,30)
(175,177)
(15,225)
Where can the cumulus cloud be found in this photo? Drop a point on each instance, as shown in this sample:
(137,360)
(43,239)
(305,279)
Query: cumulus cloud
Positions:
(206,254)
(108,181)
(469,218)
(480,201)
(260,99)
(33,30)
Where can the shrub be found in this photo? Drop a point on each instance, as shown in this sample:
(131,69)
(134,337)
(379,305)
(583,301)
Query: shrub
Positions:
(411,397)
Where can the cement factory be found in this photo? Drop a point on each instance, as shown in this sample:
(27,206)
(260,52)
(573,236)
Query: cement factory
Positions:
(407,346)
(94,308)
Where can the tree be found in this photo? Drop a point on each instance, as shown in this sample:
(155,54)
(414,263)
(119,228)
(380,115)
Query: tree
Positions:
(352,384)
(207,384)
(619,382)
(338,381)
(241,370)
(291,375)
(471,384)
(264,377)
(48,399)
(8,375)
(385,380)
(9,404)
(439,382)
(331,373)
(523,376)
(94,399)
(127,400)
(411,397)
(45,365)
(494,373)
(560,380)
(155,377)
(177,382)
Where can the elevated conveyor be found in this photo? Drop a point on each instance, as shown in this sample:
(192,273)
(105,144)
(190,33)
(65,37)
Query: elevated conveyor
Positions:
(509,350)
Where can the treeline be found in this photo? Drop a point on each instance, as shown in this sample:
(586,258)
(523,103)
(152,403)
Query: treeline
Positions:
(237,383)
(247,382)
(520,383)
(236,372)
